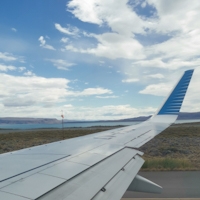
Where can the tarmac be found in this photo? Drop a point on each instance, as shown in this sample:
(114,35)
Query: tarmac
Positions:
(176,185)
(161,199)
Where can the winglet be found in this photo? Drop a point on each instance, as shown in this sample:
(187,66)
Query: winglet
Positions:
(174,101)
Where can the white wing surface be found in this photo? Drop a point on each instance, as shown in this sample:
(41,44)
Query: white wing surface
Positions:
(98,166)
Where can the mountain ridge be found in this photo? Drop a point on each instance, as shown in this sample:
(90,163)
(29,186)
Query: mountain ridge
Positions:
(30,120)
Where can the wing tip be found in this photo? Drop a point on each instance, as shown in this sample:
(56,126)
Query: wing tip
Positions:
(173,103)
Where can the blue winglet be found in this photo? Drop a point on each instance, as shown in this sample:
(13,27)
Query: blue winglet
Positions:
(173,103)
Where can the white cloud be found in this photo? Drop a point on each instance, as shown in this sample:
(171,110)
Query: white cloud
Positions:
(93,91)
(31,89)
(182,47)
(7,57)
(101,62)
(70,30)
(64,40)
(120,43)
(68,106)
(61,64)
(71,48)
(34,96)
(131,80)
(111,112)
(143,5)
(78,113)
(172,64)
(42,90)
(6,68)
(21,69)
(29,73)
(157,76)
(106,12)
(179,49)
(44,45)
(14,29)
(160,89)
(107,97)
(85,11)
(112,46)
(182,13)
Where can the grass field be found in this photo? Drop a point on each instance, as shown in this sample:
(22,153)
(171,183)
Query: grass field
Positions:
(167,164)
(19,140)
(177,148)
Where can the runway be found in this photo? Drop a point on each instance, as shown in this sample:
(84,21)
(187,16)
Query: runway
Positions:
(176,185)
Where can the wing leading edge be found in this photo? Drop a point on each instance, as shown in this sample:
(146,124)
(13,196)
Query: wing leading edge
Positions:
(98,166)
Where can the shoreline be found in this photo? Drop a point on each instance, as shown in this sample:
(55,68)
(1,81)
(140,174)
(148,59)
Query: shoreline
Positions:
(4,131)
(175,125)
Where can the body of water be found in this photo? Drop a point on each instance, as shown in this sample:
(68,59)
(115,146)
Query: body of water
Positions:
(77,124)
(66,125)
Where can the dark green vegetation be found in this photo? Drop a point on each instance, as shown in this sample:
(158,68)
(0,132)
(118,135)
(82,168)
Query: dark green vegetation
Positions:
(177,148)
(167,164)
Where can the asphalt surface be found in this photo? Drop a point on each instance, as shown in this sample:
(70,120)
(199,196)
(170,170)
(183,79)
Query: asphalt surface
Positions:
(176,184)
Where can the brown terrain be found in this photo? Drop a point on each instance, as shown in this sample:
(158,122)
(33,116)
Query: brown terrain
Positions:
(179,143)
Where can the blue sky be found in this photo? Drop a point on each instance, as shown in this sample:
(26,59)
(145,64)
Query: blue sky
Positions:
(99,59)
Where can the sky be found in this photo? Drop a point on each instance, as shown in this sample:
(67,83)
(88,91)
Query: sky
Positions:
(96,59)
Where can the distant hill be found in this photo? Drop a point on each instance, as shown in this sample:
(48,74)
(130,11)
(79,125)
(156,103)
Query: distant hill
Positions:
(143,118)
(181,116)
(20,120)
(186,115)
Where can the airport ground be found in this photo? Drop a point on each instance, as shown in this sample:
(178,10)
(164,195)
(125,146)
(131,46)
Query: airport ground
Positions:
(176,184)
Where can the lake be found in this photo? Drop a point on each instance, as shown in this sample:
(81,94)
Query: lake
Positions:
(66,125)
(77,124)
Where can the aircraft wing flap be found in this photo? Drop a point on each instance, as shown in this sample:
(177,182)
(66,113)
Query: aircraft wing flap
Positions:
(88,183)
(116,187)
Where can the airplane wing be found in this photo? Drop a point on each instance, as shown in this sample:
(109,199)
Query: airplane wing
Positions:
(100,166)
